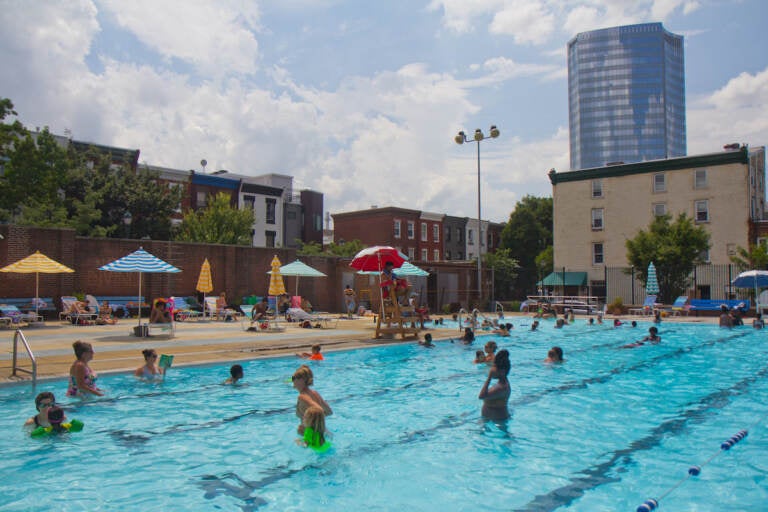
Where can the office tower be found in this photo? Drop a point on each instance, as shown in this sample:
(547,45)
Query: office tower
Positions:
(626,95)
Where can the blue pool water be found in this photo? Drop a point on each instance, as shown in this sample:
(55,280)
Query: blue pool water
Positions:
(605,431)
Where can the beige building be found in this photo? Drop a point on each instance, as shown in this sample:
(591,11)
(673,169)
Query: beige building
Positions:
(597,210)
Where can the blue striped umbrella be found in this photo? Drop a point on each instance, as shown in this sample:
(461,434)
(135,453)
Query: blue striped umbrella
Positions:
(140,261)
(651,283)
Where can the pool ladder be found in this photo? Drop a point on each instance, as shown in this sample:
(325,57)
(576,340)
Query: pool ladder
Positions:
(19,336)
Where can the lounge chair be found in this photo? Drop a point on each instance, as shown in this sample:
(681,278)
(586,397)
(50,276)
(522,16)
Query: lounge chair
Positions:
(16,316)
(182,310)
(316,319)
(227,314)
(70,312)
(680,306)
(649,306)
(762,303)
(261,325)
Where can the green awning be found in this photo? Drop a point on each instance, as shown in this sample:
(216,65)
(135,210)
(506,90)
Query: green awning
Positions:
(571,279)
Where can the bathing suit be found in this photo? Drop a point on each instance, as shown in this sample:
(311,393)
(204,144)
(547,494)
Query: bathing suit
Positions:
(90,380)
(316,357)
(313,438)
(146,374)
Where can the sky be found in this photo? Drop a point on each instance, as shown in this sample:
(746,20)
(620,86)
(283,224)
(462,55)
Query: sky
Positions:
(361,100)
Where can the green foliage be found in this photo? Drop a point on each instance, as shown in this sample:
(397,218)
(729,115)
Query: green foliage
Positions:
(504,271)
(218,223)
(545,261)
(673,247)
(756,258)
(527,234)
(344,250)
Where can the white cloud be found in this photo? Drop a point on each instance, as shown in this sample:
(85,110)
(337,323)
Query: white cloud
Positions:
(737,112)
(214,37)
(526,21)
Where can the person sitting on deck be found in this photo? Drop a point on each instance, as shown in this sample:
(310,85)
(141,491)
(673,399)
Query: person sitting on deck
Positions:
(160,313)
(260,310)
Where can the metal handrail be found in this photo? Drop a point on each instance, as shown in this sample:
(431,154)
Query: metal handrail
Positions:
(462,310)
(15,368)
(499,306)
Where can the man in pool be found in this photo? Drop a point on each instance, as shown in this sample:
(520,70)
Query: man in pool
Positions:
(653,338)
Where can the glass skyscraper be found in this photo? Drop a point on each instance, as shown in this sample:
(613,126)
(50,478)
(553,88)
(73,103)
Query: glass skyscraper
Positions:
(626,95)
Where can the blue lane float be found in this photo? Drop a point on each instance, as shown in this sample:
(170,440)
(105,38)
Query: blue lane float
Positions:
(652,504)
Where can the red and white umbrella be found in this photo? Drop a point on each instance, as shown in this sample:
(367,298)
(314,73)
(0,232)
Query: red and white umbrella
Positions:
(374,258)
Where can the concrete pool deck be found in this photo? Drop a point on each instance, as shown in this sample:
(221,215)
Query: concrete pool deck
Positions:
(117,350)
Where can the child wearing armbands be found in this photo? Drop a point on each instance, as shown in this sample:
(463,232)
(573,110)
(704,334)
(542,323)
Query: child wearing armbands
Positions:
(312,429)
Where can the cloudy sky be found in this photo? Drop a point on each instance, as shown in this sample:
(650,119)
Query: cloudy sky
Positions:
(360,99)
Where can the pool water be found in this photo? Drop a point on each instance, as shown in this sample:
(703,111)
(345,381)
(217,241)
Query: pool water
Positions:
(607,430)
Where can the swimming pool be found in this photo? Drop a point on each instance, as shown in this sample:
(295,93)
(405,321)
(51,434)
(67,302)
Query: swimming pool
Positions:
(605,431)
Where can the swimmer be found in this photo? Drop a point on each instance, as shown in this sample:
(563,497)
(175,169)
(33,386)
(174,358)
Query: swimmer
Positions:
(560,323)
(490,351)
(302,380)
(235,374)
(495,397)
(82,380)
(634,323)
(427,343)
(757,323)
(617,322)
(312,429)
(314,356)
(555,355)
(479,357)
(591,321)
(468,337)
(149,370)
(503,330)
(43,403)
(653,338)
(535,325)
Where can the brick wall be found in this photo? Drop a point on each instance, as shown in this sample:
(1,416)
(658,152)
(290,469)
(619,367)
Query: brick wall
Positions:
(239,271)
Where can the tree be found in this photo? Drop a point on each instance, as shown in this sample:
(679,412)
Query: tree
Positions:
(675,248)
(527,234)
(218,223)
(504,271)
(754,258)
(343,249)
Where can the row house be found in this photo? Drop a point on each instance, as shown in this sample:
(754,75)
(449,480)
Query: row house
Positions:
(454,238)
(392,226)
(430,236)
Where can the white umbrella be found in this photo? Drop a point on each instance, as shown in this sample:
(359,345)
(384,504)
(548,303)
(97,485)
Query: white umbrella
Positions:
(299,269)
(752,279)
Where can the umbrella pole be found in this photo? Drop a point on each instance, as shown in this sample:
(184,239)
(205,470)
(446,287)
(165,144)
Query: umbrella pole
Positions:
(297,285)
(37,295)
(139,299)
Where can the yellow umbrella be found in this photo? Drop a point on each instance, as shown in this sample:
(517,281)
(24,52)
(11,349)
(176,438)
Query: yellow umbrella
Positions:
(205,281)
(276,284)
(36,263)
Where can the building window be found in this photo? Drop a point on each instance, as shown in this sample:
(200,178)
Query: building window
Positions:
(704,256)
(597,188)
(270,238)
(411,253)
(459,235)
(762,241)
(423,231)
(470,237)
(397,229)
(318,222)
(597,254)
(659,182)
(482,240)
(410,230)
(460,255)
(447,255)
(447,233)
(249,202)
(597,219)
(424,255)
(435,232)
(271,209)
(702,211)
(659,209)
(700,178)
(201,199)
(436,255)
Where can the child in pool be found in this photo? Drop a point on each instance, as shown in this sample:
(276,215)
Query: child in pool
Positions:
(236,373)
(312,429)
(314,356)
(479,357)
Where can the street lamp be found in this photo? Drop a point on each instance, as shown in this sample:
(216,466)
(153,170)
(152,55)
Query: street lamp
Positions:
(461,138)
(127,219)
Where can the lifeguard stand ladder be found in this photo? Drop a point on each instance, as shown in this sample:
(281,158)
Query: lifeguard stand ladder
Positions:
(391,314)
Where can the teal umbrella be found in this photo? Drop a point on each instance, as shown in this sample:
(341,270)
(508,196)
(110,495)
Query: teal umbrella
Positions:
(299,269)
(651,283)
(407,269)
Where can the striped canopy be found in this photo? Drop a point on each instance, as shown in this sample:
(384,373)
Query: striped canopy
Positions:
(140,261)
(205,280)
(276,284)
(651,283)
(299,269)
(35,264)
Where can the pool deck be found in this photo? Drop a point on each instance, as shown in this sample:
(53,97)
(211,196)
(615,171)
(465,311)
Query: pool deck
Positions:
(117,350)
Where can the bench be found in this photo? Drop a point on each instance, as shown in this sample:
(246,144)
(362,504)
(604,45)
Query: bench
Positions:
(123,303)
(28,305)
(714,305)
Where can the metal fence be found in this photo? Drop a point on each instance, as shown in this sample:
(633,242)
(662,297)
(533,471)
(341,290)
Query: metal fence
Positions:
(707,281)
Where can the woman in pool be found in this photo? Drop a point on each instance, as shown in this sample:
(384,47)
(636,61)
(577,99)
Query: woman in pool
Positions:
(468,337)
(490,351)
(43,402)
(149,370)
(495,397)
(555,355)
(302,380)
(82,380)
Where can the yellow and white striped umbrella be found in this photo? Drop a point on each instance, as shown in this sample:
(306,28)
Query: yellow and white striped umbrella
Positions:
(205,281)
(276,284)
(35,264)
